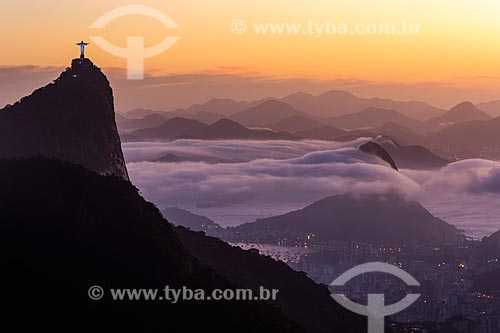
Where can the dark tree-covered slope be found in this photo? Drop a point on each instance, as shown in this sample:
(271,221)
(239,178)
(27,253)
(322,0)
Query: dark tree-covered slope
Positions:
(64,229)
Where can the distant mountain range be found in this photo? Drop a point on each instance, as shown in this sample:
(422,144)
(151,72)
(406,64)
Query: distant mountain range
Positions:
(374,219)
(281,116)
(336,103)
(328,105)
(457,133)
(181,128)
(171,129)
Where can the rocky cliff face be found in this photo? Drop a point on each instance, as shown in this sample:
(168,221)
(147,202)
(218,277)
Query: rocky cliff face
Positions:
(71,119)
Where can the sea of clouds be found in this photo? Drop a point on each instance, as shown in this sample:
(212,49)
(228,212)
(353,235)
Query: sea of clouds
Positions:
(234,182)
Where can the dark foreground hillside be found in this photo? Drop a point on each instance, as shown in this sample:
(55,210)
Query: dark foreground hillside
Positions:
(300,298)
(64,228)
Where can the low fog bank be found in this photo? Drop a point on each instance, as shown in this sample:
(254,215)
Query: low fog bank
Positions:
(234,182)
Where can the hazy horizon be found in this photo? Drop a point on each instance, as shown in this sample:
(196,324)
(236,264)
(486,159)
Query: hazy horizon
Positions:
(450,60)
(169,92)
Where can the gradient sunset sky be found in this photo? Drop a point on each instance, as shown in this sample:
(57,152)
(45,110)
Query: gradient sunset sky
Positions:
(454,58)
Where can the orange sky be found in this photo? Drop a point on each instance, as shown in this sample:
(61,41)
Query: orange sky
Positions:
(459,43)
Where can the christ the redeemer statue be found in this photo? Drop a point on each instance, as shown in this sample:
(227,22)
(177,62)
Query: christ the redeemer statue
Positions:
(82,45)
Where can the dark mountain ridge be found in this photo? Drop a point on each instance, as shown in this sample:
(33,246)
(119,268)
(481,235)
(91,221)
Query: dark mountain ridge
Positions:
(179,128)
(337,103)
(460,113)
(83,229)
(375,117)
(371,218)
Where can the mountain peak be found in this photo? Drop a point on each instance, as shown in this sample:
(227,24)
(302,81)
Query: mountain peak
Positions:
(375,149)
(464,105)
(71,119)
(465,111)
(467,108)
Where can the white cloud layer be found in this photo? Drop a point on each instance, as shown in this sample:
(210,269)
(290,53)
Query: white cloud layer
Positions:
(259,179)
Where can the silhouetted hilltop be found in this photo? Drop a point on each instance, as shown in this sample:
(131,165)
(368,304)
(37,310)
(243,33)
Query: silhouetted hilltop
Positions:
(372,218)
(126,125)
(71,119)
(336,103)
(170,129)
(223,106)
